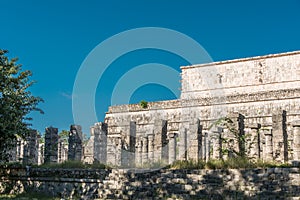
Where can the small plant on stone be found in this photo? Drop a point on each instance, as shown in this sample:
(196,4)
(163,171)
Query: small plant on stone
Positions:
(237,138)
(144,104)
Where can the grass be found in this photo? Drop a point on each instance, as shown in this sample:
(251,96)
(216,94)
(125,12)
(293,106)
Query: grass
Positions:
(74,165)
(66,165)
(188,164)
(232,163)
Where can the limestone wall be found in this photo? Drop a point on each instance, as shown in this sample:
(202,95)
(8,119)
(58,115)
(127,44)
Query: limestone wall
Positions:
(240,76)
(271,183)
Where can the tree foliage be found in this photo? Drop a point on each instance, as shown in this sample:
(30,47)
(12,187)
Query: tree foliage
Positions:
(16,102)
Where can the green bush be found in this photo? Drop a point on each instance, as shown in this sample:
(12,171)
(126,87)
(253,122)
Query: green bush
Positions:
(144,104)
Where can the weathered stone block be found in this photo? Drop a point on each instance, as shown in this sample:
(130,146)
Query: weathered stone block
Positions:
(75,149)
(51,142)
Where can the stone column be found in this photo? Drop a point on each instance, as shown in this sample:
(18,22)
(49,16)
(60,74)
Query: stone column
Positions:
(253,143)
(216,142)
(59,153)
(238,122)
(100,142)
(139,148)
(207,146)
(18,149)
(160,137)
(194,140)
(41,150)
(172,147)
(280,148)
(144,150)
(150,148)
(118,150)
(114,149)
(268,150)
(31,148)
(51,141)
(75,149)
(296,149)
(132,143)
(203,146)
(182,146)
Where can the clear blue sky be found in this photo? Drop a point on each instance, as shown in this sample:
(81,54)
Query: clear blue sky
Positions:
(52,39)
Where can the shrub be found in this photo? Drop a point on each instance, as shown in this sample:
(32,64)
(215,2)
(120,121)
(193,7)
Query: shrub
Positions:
(144,104)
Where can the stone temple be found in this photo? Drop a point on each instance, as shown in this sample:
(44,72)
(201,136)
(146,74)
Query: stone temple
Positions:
(261,95)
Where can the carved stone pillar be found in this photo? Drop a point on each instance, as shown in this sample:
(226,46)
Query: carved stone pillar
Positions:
(172,147)
(280,148)
(75,149)
(206,146)
(182,145)
(139,147)
(144,150)
(100,142)
(194,140)
(235,143)
(151,148)
(160,137)
(253,142)
(31,148)
(203,146)
(114,149)
(51,142)
(296,149)
(132,142)
(216,142)
(268,149)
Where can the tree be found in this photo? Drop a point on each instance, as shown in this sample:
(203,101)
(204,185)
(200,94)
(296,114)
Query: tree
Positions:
(16,102)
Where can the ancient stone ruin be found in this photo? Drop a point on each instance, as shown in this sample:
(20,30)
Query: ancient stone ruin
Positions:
(75,143)
(257,99)
(260,95)
(51,144)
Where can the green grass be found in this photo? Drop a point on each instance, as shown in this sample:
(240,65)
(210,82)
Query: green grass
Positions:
(73,165)
(188,164)
(232,163)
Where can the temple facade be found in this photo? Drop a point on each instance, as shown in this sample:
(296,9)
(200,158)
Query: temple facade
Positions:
(260,96)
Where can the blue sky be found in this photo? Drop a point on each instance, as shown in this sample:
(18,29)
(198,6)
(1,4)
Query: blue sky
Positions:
(52,39)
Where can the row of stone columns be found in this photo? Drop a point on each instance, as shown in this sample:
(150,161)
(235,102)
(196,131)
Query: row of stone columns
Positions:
(57,151)
(26,150)
(266,142)
(145,149)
